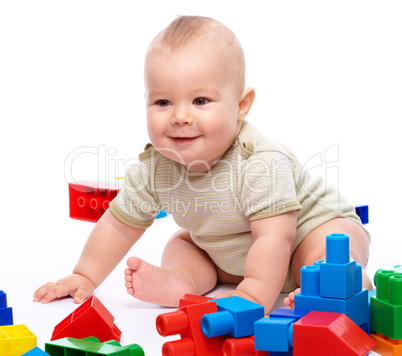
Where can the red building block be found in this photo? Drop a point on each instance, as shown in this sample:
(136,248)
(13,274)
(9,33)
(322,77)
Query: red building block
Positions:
(244,346)
(387,346)
(90,319)
(322,333)
(186,321)
(90,199)
(191,299)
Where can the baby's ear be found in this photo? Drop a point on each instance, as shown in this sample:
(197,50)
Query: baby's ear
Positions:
(246,102)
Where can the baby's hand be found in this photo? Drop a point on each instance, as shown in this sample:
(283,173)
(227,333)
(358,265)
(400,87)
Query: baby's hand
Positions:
(236,293)
(79,287)
(289,301)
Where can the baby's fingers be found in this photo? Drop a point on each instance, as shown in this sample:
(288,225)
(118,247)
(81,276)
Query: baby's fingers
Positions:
(80,295)
(49,292)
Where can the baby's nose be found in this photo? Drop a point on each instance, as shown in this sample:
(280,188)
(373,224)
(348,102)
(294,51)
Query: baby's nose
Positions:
(182,116)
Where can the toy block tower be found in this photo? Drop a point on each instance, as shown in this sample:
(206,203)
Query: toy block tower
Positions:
(386,310)
(334,285)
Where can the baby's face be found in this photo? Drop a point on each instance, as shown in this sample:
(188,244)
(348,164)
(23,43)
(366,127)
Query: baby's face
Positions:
(192,107)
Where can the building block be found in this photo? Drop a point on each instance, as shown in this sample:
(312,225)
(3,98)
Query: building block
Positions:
(91,346)
(36,351)
(91,318)
(289,313)
(322,333)
(363,212)
(89,199)
(186,321)
(281,353)
(191,299)
(241,347)
(6,313)
(162,213)
(386,306)
(274,334)
(15,340)
(387,346)
(337,274)
(236,317)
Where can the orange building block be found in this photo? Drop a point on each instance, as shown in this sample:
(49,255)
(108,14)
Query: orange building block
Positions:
(387,346)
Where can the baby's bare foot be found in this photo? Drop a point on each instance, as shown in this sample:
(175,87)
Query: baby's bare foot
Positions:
(154,284)
(289,301)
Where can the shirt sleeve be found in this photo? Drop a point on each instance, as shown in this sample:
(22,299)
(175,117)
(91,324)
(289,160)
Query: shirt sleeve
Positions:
(136,205)
(267,185)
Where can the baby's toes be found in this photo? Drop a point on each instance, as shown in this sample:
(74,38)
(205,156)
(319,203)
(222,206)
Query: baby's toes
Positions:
(128,277)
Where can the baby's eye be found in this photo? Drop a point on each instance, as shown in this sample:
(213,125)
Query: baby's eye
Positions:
(163,102)
(200,101)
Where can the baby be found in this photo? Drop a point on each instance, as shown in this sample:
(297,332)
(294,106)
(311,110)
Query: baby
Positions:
(249,214)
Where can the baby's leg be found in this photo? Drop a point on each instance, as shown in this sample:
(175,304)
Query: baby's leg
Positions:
(185,269)
(312,249)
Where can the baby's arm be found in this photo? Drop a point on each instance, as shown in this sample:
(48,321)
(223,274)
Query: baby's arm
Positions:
(268,260)
(108,243)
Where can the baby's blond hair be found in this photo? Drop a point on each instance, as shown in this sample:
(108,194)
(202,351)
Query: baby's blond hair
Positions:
(188,32)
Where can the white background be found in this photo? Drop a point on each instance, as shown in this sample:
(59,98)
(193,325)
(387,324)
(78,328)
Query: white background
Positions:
(328,78)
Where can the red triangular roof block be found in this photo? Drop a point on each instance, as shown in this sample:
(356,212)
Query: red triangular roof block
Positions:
(322,333)
(90,319)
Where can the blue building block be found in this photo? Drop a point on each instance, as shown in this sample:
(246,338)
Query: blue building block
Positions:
(236,317)
(270,334)
(363,212)
(274,334)
(161,214)
(339,278)
(288,313)
(36,351)
(355,307)
(280,353)
(6,313)
(372,293)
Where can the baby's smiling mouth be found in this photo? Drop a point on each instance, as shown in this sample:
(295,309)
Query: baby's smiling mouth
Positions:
(183,140)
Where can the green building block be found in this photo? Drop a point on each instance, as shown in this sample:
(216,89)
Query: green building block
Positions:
(90,346)
(386,306)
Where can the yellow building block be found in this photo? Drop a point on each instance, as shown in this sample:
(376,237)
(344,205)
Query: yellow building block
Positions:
(15,340)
